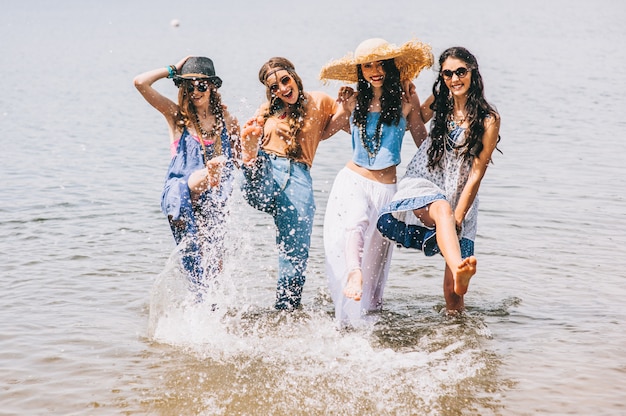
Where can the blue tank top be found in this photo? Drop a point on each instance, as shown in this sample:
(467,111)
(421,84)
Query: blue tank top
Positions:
(391,143)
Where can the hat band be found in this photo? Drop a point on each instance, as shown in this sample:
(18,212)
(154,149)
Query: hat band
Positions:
(196,75)
(275,70)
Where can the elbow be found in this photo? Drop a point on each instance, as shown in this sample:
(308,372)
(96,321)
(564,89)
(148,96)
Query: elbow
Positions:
(139,83)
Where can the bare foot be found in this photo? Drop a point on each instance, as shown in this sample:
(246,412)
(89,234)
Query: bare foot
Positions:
(354,286)
(463,274)
(250,135)
(214,170)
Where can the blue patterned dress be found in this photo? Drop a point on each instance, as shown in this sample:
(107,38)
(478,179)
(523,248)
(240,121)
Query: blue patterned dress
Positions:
(201,236)
(419,187)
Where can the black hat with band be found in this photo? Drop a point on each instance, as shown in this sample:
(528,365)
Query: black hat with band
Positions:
(198,68)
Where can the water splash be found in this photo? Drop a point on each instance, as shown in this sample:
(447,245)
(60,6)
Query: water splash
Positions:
(286,362)
(235,354)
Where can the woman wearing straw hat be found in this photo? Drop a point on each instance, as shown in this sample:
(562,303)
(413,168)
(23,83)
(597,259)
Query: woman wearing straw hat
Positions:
(203,138)
(277,179)
(357,256)
(436,206)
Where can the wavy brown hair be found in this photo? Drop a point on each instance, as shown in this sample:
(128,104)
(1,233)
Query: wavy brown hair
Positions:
(476,107)
(295,113)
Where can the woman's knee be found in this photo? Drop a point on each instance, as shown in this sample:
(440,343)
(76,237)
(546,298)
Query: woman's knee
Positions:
(440,208)
(434,211)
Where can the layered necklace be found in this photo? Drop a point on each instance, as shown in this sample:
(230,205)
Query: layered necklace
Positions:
(372,145)
(205,134)
(454,122)
(214,133)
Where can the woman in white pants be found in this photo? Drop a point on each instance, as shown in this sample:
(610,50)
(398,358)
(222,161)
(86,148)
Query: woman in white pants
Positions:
(357,256)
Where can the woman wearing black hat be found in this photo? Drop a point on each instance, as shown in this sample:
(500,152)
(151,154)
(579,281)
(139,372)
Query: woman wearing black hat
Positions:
(203,140)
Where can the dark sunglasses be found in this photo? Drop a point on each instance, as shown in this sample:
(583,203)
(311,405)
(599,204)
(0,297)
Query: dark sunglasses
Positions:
(202,86)
(285,80)
(460,72)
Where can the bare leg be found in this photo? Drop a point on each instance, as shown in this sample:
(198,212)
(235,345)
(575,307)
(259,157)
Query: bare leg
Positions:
(439,214)
(250,136)
(200,180)
(197,183)
(354,287)
(354,255)
(464,273)
(454,302)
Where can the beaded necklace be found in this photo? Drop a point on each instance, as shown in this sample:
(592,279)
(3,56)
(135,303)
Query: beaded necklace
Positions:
(452,122)
(372,145)
(214,133)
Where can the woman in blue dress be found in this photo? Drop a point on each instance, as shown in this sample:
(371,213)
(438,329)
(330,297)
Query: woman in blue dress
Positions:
(436,206)
(204,138)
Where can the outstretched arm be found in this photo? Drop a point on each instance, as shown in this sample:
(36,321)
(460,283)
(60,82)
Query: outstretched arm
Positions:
(346,99)
(427,113)
(479,168)
(415,124)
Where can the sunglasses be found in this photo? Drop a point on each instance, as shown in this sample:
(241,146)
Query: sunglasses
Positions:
(285,80)
(460,72)
(200,86)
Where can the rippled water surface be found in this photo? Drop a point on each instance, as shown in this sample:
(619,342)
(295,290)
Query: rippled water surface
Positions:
(94,318)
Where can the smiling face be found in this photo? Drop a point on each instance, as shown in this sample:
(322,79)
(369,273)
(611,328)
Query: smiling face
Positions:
(198,91)
(457,76)
(282,85)
(374,73)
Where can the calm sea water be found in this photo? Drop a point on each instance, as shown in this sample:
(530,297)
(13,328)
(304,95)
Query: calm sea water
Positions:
(92,319)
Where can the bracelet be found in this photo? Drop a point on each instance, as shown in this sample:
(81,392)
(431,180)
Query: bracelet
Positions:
(171,70)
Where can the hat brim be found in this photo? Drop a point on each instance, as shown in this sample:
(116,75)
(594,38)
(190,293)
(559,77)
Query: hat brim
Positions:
(215,80)
(410,59)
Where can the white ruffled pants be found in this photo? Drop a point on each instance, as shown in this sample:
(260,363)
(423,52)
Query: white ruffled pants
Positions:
(352,241)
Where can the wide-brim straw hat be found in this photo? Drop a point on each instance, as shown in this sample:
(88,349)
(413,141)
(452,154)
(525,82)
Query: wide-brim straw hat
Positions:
(410,59)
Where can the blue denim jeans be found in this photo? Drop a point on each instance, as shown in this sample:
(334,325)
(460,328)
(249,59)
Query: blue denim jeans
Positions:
(284,189)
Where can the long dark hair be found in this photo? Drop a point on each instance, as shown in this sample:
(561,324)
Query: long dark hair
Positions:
(390,101)
(295,115)
(477,109)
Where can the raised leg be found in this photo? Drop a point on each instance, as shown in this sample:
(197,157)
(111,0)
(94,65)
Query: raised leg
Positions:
(439,214)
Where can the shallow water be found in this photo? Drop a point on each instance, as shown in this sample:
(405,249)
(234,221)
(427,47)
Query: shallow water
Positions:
(84,249)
